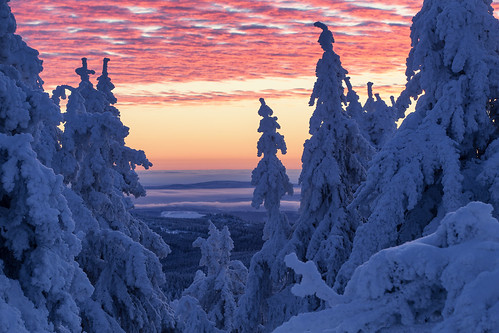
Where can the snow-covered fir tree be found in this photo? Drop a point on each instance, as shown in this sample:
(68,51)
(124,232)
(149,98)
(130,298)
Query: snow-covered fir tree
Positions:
(334,161)
(379,121)
(217,289)
(354,108)
(272,183)
(21,62)
(376,120)
(41,284)
(120,254)
(444,154)
(105,85)
(191,317)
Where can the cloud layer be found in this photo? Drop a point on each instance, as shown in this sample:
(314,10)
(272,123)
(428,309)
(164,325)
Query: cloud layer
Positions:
(188,74)
(170,41)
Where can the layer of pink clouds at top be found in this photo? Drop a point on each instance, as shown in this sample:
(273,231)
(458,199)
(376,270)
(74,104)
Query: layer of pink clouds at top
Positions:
(185,41)
(189,74)
(205,41)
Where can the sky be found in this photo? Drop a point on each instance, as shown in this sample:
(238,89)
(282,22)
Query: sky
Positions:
(188,74)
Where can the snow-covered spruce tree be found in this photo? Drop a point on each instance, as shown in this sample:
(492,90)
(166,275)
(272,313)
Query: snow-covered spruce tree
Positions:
(40,281)
(191,317)
(105,85)
(376,120)
(445,282)
(219,288)
(445,151)
(272,183)
(379,119)
(41,284)
(334,160)
(21,63)
(354,108)
(369,104)
(120,253)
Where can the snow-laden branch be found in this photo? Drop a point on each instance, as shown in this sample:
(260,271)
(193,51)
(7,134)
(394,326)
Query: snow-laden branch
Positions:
(311,282)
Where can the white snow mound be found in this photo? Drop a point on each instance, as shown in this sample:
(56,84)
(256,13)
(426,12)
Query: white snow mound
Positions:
(445,282)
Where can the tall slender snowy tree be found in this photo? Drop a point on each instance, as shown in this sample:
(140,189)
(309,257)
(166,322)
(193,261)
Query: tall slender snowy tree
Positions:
(334,161)
(269,177)
(272,183)
(444,154)
(218,289)
(120,253)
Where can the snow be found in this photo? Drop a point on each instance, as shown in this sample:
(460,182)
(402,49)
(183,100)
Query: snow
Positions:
(120,254)
(271,185)
(181,214)
(444,282)
(213,295)
(334,164)
(443,154)
(410,245)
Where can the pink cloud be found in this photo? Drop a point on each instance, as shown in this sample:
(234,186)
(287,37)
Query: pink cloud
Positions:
(153,41)
(184,98)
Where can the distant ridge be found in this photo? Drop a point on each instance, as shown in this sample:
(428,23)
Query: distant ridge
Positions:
(203,185)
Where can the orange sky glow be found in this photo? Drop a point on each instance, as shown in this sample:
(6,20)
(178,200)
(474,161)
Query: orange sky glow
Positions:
(188,74)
